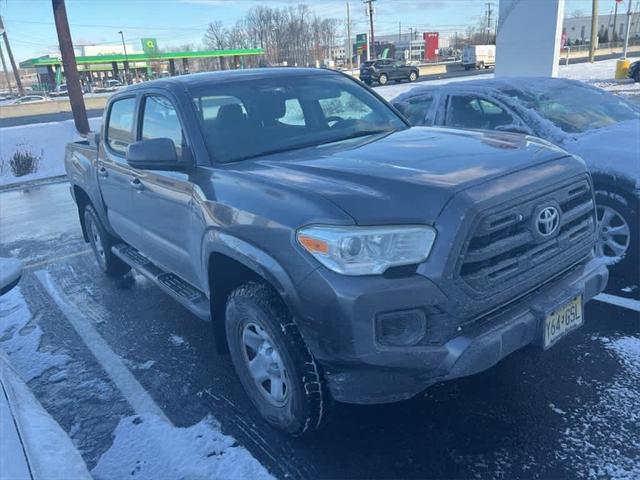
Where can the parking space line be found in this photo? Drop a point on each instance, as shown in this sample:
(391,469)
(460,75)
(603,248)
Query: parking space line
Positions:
(111,362)
(31,266)
(623,302)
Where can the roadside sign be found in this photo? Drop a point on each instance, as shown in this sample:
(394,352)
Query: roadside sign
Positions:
(149,46)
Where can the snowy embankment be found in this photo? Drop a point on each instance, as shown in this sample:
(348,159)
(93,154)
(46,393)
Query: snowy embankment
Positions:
(46,141)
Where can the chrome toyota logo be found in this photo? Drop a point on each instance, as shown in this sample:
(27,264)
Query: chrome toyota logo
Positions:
(548,221)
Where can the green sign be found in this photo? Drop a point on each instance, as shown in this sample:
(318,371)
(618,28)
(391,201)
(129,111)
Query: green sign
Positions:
(149,46)
(362,44)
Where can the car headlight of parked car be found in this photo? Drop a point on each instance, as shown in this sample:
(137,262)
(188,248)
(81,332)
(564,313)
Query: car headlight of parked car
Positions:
(367,250)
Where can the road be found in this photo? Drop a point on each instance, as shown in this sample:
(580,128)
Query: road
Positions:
(563,414)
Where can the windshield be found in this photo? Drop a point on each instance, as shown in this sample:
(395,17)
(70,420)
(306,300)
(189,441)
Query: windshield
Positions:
(575,108)
(249,118)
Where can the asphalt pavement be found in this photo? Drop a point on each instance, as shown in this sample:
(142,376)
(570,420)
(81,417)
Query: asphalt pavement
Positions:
(570,412)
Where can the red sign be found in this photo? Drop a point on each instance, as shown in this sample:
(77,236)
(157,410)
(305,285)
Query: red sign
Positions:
(430,45)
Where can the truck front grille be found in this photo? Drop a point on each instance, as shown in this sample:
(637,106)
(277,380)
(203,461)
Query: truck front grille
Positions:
(506,243)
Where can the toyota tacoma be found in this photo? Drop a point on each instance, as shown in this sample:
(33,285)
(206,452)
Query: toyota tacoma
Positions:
(340,254)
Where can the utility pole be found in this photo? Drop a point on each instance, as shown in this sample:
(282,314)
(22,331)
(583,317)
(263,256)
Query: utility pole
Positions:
(16,73)
(614,35)
(6,72)
(594,30)
(126,60)
(372,48)
(349,44)
(626,31)
(410,44)
(70,68)
(488,30)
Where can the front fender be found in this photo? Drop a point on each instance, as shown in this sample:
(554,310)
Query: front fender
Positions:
(255,259)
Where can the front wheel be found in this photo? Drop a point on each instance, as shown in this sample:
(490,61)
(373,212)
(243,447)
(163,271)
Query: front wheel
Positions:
(413,76)
(274,365)
(618,234)
(383,79)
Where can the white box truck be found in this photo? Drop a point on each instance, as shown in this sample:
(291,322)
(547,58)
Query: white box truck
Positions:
(478,56)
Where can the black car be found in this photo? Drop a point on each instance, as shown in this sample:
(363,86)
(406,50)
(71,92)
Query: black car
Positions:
(634,71)
(382,71)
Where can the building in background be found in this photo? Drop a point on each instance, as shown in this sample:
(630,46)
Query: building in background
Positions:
(577,30)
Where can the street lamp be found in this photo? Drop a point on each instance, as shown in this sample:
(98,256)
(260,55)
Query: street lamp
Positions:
(126,59)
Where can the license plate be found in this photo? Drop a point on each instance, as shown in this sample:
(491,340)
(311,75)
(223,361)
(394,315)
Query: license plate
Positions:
(562,320)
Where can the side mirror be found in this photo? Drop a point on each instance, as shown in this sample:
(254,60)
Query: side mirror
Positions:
(154,154)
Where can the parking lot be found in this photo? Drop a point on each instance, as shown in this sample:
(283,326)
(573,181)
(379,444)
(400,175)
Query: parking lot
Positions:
(107,357)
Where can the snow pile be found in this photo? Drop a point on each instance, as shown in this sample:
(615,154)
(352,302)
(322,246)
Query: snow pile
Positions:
(603,437)
(146,447)
(44,140)
(50,451)
(20,338)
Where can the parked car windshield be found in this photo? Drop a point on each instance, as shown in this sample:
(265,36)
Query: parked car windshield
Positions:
(575,108)
(253,117)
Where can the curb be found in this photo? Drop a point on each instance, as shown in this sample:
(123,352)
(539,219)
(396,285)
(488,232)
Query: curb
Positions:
(33,183)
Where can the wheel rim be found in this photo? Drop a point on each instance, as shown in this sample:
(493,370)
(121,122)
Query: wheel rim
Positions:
(383,79)
(614,234)
(412,77)
(264,364)
(96,242)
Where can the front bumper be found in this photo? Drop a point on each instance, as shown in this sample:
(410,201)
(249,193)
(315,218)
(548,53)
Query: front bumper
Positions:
(337,318)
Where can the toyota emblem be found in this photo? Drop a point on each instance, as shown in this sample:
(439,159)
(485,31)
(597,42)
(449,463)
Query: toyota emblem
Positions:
(548,221)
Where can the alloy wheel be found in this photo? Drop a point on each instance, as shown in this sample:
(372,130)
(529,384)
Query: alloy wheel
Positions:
(614,234)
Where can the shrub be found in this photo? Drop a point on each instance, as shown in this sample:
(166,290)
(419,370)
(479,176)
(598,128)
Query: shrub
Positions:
(23,162)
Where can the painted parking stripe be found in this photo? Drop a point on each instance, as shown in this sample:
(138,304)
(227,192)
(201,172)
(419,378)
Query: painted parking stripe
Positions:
(111,362)
(623,302)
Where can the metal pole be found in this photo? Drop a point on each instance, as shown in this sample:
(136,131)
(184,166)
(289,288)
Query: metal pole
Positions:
(126,60)
(372,43)
(594,31)
(626,31)
(70,68)
(349,45)
(410,44)
(6,72)
(16,72)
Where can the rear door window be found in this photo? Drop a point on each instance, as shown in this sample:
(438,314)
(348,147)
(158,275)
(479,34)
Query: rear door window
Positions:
(416,109)
(466,111)
(120,128)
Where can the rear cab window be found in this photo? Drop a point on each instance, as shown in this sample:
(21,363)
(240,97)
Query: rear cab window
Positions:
(120,125)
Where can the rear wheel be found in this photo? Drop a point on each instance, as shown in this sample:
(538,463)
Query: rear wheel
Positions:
(383,79)
(274,365)
(618,234)
(481,65)
(101,243)
(413,76)
(636,75)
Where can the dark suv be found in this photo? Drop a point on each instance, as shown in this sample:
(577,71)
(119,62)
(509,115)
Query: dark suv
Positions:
(382,71)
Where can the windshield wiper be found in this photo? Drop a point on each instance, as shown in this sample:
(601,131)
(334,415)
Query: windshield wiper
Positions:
(314,143)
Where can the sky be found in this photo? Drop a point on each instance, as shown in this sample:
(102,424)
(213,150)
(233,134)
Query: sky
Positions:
(29,23)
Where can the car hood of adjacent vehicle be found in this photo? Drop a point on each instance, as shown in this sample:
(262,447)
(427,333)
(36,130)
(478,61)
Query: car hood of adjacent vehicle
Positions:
(405,176)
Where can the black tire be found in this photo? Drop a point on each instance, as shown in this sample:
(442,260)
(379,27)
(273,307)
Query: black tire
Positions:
(306,399)
(101,243)
(636,75)
(413,76)
(467,67)
(367,82)
(481,65)
(628,265)
(383,79)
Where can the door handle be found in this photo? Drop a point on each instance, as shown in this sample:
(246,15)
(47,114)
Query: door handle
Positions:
(103,172)
(137,184)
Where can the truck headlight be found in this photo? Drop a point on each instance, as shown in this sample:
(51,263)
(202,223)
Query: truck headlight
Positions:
(367,250)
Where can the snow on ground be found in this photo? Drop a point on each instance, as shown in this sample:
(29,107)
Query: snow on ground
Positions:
(612,422)
(44,140)
(146,447)
(51,452)
(20,338)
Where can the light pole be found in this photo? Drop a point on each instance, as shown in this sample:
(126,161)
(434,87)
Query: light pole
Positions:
(626,31)
(126,59)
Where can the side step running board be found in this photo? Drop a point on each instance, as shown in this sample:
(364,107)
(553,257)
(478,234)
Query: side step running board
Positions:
(185,293)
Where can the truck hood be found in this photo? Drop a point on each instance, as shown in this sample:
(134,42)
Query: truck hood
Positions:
(406,176)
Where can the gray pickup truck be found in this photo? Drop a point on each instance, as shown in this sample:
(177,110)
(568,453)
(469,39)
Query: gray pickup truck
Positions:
(339,253)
